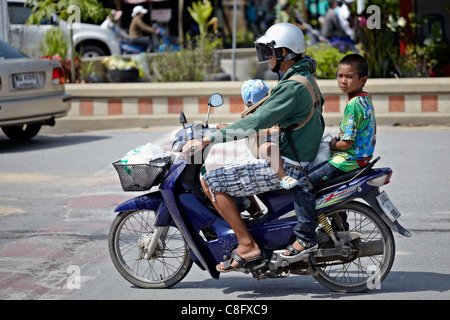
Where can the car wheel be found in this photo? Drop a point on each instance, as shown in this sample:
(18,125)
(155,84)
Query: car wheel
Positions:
(22,132)
(91,51)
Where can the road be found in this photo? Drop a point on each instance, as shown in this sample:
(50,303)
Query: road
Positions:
(58,193)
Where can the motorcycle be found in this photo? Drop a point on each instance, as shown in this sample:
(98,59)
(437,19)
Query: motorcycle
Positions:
(157,236)
(164,44)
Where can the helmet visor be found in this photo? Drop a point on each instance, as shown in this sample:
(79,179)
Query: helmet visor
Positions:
(265,52)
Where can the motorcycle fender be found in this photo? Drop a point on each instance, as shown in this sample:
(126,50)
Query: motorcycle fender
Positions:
(373,203)
(150,201)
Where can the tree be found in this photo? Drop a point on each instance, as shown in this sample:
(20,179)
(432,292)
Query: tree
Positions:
(72,11)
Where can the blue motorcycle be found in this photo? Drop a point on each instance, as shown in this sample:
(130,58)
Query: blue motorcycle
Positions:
(165,44)
(157,236)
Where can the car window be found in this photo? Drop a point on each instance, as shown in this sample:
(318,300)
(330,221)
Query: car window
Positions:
(8,52)
(19,14)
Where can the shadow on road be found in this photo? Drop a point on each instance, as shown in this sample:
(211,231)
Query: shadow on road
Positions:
(41,142)
(397,282)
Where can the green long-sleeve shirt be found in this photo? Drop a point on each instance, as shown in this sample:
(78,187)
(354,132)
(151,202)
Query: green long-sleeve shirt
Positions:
(289,103)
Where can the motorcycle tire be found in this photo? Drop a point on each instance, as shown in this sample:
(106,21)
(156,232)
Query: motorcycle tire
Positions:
(360,273)
(170,262)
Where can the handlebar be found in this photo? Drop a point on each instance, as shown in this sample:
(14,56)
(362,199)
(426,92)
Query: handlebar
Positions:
(192,131)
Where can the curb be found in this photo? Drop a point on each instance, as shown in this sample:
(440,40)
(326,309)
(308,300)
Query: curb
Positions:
(80,124)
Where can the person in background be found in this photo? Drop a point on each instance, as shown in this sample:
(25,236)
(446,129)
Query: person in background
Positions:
(138,27)
(331,26)
(345,17)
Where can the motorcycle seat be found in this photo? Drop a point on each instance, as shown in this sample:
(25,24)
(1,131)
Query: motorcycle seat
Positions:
(344,179)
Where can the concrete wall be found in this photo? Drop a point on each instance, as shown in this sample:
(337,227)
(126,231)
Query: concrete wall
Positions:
(419,101)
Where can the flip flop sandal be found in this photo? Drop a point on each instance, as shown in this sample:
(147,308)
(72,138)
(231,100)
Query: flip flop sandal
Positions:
(294,252)
(242,263)
(288,183)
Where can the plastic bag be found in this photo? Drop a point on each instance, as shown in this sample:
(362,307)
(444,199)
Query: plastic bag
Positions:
(141,62)
(143,154)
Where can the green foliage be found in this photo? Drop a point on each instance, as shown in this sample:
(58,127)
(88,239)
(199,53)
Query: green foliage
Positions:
(381,52)
(198,57)
(55,43)
(191,63)
(397,50)
(70,10)
(327,58)
(86,9)
(200,12)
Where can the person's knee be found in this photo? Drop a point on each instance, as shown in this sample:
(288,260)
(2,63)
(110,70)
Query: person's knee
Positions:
(262,151)
(267,149)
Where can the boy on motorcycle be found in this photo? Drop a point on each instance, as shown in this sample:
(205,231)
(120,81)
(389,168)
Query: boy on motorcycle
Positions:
(351,150)
(289,103)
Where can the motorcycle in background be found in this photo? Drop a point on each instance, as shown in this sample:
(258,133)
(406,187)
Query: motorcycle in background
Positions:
(157,236)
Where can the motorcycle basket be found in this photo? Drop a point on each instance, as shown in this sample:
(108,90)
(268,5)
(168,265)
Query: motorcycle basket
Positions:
(141,177)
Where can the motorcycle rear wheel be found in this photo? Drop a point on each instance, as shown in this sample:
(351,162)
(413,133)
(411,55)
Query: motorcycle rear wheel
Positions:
(167,266)
(360,274)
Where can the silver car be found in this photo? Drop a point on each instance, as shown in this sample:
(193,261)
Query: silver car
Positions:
(32,93)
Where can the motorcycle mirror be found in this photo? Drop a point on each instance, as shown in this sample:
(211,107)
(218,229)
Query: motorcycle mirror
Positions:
(215,100)
(182,117)
(183,121)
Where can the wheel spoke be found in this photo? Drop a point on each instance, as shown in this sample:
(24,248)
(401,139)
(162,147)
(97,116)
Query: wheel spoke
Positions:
(353,273)
(167,265)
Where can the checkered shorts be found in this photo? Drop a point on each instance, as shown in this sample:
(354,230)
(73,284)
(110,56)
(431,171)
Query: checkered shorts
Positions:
(247,177)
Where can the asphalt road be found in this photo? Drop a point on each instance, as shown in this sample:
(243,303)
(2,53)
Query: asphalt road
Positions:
(58,193)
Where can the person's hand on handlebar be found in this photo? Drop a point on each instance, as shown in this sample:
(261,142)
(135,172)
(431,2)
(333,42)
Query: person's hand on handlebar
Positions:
(192,146)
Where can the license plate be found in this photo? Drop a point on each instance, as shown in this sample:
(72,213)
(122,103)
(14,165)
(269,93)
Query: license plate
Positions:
(25,81)
(388,207)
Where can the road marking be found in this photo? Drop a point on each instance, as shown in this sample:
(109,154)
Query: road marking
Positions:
(15,177)
(6,211)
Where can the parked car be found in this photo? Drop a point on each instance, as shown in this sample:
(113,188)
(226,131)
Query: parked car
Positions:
(32,93)
(89,39)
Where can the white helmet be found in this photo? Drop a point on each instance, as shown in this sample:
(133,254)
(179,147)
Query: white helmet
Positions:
(280,35)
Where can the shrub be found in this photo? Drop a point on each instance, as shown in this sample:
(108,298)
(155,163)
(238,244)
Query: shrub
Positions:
(191,63)
(54,43)
(327,58)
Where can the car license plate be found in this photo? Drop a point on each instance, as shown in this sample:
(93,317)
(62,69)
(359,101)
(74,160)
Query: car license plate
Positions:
(25,80)
(388,207)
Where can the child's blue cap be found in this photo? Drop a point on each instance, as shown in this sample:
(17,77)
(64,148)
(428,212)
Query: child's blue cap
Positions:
(254,90)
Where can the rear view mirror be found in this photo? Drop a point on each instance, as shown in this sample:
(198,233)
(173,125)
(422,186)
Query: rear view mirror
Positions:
(215,100)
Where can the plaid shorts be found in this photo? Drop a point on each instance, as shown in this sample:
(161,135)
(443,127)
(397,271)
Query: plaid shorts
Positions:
(247,177)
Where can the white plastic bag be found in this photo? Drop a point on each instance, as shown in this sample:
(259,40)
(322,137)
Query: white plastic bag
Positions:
(143,154)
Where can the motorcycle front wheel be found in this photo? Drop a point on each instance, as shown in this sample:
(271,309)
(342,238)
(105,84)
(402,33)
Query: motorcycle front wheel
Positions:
(167,265)
(373,255)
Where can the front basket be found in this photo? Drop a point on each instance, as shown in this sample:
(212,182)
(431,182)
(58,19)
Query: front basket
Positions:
(141,177)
